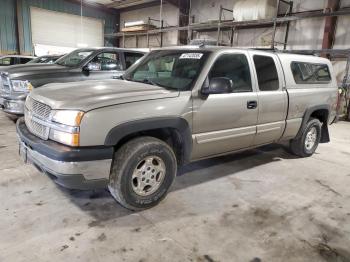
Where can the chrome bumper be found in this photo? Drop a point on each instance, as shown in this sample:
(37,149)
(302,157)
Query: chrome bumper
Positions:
(13,106)
(74,175)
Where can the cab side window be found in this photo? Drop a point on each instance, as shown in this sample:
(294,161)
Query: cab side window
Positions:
(108,61)
(24,60)
(236,68)
(6,61)
(131,58)
(267,73)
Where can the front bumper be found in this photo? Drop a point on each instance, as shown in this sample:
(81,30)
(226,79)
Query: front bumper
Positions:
(15,107)
(74,168)
(13,103)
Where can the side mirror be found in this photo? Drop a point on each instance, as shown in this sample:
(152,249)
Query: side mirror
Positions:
(93,66)
(218,85)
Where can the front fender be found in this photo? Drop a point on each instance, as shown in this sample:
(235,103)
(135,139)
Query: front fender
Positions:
(117,133)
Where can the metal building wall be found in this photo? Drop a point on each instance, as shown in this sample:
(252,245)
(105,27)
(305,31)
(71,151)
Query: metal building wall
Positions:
(61,6)
(8,38)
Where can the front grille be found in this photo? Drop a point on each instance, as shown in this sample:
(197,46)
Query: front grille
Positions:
(36,128)
(37,110)
(4,83)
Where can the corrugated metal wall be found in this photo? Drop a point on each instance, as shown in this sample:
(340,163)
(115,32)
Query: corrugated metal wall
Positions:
(8,38)
(9,41)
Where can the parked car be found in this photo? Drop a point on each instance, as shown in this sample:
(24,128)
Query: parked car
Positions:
(9,60)
(46,59)
(79,65)
(175,106)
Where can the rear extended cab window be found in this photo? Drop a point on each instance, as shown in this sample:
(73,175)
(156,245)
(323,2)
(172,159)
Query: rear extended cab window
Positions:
(310,73)
(266,72)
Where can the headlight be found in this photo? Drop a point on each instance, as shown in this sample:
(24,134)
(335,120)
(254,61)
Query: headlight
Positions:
(21,86)
(66,126)
(67,117)
(69,139)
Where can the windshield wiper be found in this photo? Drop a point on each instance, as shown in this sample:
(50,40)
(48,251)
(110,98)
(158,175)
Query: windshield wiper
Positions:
(149,81)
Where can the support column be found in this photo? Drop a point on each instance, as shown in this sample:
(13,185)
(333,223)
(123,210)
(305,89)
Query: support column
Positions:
(184,17)
(19,25)
(330,25)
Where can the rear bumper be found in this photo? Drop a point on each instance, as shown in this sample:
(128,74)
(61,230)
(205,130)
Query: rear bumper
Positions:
(75,168)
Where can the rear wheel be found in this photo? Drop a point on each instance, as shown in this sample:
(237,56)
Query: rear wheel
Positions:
(307,143)
(143,171)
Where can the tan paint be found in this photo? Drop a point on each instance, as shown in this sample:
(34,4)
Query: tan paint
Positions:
(220,123)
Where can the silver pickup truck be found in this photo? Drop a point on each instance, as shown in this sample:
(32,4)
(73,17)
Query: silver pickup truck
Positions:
(173,107)
(79,65)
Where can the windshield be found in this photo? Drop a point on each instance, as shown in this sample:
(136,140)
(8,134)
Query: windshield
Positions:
(36,60)
(169,68)
(74,58)
(42,60)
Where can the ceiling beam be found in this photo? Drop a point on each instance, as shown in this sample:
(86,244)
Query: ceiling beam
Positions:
(94,5)
(121,5)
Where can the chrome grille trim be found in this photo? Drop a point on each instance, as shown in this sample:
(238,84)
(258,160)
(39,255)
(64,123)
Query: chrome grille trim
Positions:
(36,128)
(38,109)
(35,115)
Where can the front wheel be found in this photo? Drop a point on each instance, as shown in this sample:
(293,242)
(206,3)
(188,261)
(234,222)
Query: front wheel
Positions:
(307,143)
(143,171)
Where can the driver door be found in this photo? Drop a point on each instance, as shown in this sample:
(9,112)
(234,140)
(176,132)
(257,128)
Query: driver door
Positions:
(226,122)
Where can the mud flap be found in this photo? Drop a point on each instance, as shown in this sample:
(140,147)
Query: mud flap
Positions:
(324,134)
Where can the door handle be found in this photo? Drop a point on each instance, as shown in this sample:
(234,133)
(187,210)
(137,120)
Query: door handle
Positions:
(252,104)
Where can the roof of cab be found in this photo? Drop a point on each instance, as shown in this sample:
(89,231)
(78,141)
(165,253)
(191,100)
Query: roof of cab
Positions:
(280,53)
(141,50)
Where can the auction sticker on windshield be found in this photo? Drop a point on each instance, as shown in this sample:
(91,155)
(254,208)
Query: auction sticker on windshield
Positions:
(191,56)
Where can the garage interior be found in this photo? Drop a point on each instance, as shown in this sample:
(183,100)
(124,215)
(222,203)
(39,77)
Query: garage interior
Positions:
(263,204)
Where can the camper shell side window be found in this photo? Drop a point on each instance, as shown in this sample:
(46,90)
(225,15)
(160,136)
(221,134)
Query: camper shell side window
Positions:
(310,73)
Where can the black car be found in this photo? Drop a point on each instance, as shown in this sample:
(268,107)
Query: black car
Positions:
(82,64)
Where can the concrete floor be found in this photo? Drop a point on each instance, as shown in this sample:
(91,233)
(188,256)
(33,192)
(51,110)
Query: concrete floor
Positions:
(261,205)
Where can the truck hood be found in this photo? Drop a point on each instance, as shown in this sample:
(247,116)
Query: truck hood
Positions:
(24,72)
(88,95)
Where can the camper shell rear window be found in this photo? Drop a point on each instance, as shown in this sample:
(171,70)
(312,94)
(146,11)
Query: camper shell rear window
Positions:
(310,73)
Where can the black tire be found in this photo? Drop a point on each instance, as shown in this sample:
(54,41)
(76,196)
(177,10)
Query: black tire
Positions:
(298,146)
(127,159)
